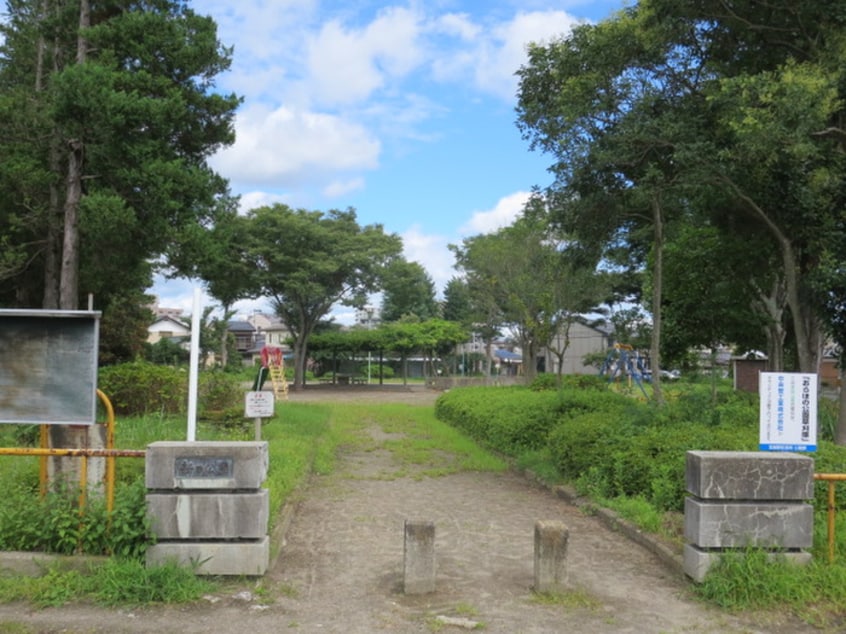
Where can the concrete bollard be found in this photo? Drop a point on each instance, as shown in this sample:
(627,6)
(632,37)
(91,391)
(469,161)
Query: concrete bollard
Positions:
(419,557)
(551,539)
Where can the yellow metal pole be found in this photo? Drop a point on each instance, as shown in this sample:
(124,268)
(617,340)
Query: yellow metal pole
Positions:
(83,482)
(831,515)
(42,462)
(110,444)
(831,479)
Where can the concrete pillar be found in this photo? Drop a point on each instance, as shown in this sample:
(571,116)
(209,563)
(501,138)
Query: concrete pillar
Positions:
(207,507)
(419,557)
(551,539)
(742,499)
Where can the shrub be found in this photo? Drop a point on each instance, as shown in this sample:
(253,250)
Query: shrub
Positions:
(140,388)
(544,381)
(507,419)
(577,443)
(55,524)
(220,396)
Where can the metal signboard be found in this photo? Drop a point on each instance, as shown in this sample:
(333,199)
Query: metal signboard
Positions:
(48,366)
(788,414)
(258,405)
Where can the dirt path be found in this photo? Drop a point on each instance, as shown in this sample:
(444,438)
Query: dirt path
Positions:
(340,567)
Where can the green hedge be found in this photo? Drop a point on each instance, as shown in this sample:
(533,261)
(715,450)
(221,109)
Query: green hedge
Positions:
(611,445)
(140,388)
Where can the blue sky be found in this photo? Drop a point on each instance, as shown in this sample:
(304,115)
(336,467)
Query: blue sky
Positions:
(403,110)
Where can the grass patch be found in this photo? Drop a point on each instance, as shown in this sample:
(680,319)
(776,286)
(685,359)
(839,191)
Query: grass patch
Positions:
(573,599)
(116,582)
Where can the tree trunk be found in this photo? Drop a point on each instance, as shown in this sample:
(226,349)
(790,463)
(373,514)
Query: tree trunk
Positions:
(657,289)
(806,326)
(69,285)
(299,362)
(772,306)
(53,245)
(840,432)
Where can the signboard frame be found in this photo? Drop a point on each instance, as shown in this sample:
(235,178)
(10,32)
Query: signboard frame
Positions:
(788,411)
(48,366)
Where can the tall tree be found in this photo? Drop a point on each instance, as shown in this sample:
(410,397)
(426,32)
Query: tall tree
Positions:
(407,289)
(308,261)
(605,104)
(523,271)
(109,115)
(220,255)
(744,98)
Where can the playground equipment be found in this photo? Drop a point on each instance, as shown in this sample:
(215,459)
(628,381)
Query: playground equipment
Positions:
(272,363)
(622,359)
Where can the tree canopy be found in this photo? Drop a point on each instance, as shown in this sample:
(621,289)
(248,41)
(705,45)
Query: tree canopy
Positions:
(108,115)
(720,115)
(308,261)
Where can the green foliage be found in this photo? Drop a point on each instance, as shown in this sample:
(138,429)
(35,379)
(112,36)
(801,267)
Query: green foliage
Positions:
(543,382)
(503,420)
(116,582)
(139,388)
(55,523)
(220,391)
(131,582)
(166,352)
(143,112)
(754,580)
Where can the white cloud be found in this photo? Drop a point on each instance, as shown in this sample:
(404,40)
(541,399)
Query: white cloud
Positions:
(285,147)
(501,55)
(458,25)
(431,252)
(347,65)
(252,200)
(336,189)
(503,214)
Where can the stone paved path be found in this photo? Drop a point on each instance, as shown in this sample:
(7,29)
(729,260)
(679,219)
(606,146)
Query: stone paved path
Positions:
(340,568)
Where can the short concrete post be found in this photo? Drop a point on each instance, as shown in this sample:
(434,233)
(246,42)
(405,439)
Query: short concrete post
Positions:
(419,557)
(550,556)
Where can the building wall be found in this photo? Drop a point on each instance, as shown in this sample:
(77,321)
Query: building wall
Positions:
(583,340)
(746,374)
(165,329)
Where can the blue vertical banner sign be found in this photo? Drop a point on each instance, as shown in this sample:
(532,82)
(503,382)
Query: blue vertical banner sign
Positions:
(788,411)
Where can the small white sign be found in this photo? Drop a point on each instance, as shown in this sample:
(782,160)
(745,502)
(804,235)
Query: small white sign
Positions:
(258,405)
(788,411)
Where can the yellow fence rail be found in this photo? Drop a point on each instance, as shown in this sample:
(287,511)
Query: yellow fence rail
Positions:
(108,452)
(831,479)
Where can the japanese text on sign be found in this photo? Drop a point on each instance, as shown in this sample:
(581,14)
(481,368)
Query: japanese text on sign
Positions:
(788,414)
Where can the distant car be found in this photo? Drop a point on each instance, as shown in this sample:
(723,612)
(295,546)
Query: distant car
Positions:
(670,375)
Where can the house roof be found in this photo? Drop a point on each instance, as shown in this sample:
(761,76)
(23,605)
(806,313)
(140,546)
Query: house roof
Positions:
(168,319)
(507,355)
(240,326)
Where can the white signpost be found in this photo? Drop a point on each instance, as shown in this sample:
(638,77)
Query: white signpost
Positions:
(788,414)
(258,405)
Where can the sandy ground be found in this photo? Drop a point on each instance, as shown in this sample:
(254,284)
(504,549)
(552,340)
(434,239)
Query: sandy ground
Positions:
(340,567)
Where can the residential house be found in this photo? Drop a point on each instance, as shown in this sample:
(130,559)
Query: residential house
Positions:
(269,331)
(583,340)
(244,334)
(167,327)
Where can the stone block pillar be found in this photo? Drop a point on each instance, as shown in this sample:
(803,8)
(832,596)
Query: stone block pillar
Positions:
(419,557)
(743,499)
(207,507)
(551,539)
